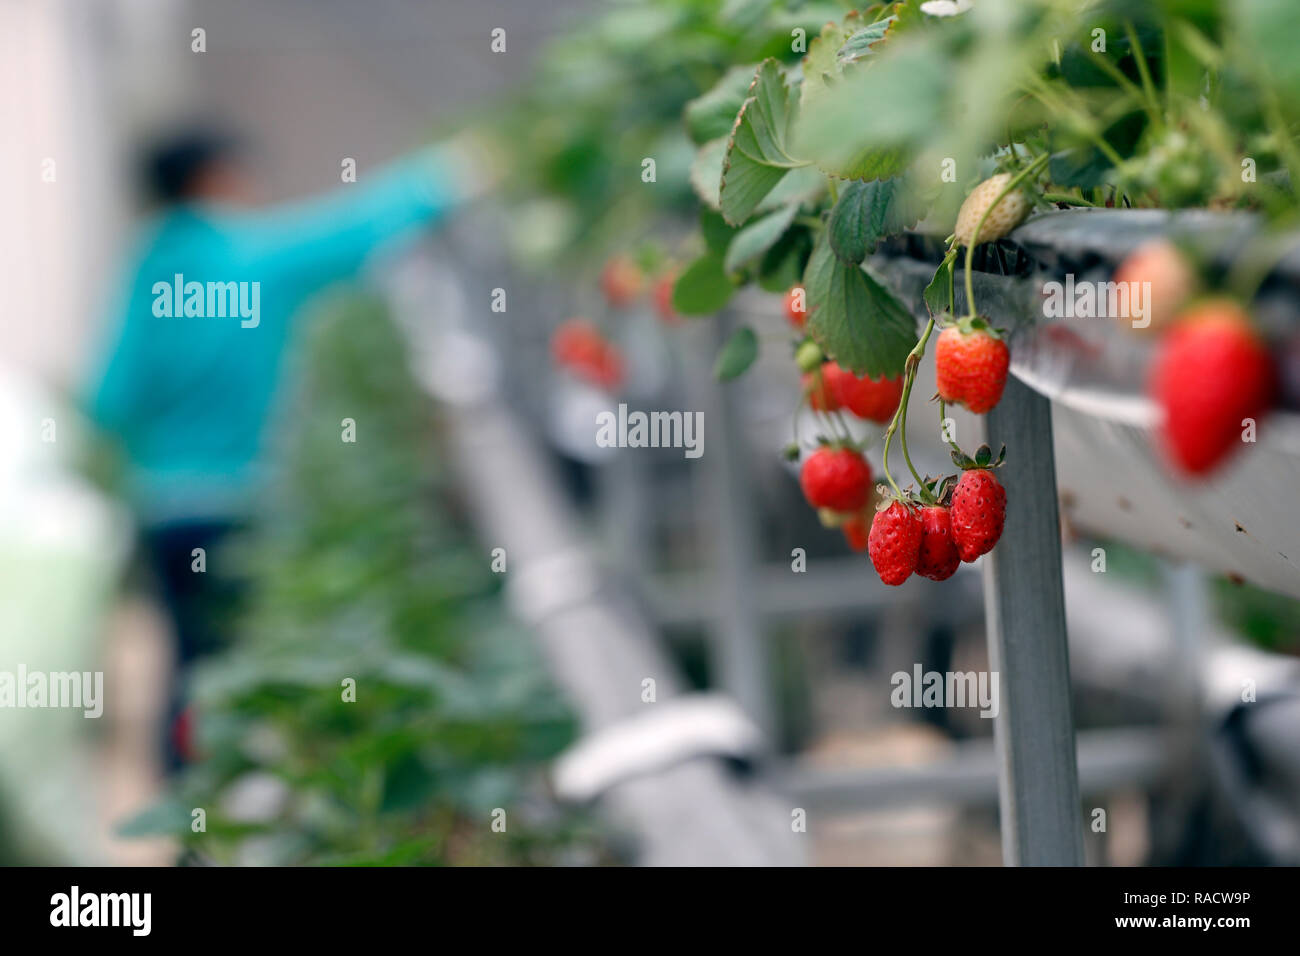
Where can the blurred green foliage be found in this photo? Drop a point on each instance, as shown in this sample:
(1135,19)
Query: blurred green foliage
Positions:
(358,569)
(609,93)
(766,117)
(1266,619)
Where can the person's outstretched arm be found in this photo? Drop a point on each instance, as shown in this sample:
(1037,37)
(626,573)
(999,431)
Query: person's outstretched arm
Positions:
(319,240)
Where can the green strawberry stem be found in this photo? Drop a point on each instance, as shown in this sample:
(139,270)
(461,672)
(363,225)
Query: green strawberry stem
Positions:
(943,415)
(1068,198)
(1148,87)
(975,237)
(829,423)
(1128,86)
(1281,135)
(951,259)
(900,416)
(844,426)
(1081,122)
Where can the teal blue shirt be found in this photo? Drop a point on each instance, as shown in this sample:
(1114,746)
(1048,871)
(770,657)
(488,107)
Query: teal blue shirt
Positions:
(190,395)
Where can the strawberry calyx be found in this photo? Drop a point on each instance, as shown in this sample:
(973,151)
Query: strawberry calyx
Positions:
(983,460)
(941,488)
(888,496)
(976,324)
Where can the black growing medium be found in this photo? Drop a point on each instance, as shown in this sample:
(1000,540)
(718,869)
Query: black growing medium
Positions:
(1083,240)
(1090,244)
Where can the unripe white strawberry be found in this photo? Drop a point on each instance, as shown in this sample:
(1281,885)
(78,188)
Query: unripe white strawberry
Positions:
(1010,212)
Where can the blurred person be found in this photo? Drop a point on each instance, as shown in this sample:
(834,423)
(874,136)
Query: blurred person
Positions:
(188,381)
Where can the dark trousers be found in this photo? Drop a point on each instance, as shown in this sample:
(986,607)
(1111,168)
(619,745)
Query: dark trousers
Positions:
(201,606)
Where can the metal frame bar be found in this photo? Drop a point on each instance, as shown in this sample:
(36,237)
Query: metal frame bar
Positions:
(1024,607)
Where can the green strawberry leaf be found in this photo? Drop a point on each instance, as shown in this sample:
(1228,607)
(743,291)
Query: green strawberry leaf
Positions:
(983,455)
(856,320)
(756,238)
(706,172)
(860,43)
(868,212)
(717,234)
(704,287)
(782,266)
(903,93)
(938,294)
(821,65)
(737,355)
(711,115)
(805,184)
(756,154)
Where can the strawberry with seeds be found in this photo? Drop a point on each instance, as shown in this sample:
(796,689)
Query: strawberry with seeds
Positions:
(979,504)
(938,558)
(894,542)
(970,364)
(874,400)
(836,477)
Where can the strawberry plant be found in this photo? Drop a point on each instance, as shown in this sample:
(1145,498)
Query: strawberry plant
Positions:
(357,570)
(815,142)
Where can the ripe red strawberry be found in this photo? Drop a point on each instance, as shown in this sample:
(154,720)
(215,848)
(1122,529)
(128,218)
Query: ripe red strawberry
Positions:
(579,347)
(1210,372)
(838,478)
(183,736)
(970,365)
(1171,282)
(869,398)
(621,280)
(856,531)
(574,340)
(979,510)
(662,294)
(895,543)
(796,307)
(939,557)
(818,389)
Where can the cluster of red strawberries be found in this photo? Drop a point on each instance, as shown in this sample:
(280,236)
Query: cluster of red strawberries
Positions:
(583,351)
(965,517)
(1211,371)
(836,478)
(832,388)
(932,539)
(579,347)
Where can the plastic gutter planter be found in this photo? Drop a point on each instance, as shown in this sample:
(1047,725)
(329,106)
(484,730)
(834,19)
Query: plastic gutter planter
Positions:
(1111,478)
(1075,419)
